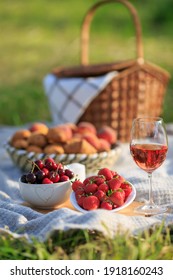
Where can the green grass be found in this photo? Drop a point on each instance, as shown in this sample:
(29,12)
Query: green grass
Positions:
(84,245)
(37,36)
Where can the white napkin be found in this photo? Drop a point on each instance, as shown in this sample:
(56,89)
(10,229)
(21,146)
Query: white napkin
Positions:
(69,97)
(78,169)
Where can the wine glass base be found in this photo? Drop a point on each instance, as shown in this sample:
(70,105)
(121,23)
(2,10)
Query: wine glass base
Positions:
(150,210)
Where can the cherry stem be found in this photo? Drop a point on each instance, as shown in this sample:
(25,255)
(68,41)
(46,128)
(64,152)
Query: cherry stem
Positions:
(33,165)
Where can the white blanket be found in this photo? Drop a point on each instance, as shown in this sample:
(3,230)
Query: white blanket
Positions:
(20,220)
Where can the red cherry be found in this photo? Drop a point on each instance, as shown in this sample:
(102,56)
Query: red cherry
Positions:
(64,178)
(54,166)
(40,175)
(47,181)
(51,165)
(60,165)
(54,177)
(31,178)
(39,163)
(23,178)
(61,171)
(46,171)
(69,173)
(49,160)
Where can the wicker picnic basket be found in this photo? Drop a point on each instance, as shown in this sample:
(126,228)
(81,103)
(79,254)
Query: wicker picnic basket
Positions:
(137,90)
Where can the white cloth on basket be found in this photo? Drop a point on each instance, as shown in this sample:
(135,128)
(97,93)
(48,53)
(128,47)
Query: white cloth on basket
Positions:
(69,97)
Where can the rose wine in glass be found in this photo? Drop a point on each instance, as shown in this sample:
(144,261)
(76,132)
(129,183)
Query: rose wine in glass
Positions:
(148,147)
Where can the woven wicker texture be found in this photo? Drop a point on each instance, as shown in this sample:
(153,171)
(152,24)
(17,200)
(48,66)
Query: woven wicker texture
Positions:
(92,162)
(138,89)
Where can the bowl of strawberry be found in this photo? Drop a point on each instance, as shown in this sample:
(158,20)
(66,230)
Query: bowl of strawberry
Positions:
(106,190)
(47,184)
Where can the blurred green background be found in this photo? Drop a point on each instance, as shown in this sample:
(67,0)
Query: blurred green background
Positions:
(38,35)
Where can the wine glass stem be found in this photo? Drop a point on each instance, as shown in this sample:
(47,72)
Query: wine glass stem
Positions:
(151,202)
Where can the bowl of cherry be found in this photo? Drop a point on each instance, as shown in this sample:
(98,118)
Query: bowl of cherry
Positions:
(47,184)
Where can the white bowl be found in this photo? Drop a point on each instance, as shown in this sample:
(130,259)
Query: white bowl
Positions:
(129,200)
(45,196)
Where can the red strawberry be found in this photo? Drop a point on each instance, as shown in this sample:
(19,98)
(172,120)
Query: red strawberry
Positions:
(95,179)
(118,197)
(79,191)
(114,173)
(106,172)
(106,205)
(89,180)
(100,194)
(114,184)
(91,202)
(80,200)
(103,187)
(90,188)
(77,184)
(98,180)
(127,188)
(120,178)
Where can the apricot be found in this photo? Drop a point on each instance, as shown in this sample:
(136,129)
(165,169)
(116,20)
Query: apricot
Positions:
(39,127)
(108,134)
(20,134)
(92,139)
(104,145)
(85,127)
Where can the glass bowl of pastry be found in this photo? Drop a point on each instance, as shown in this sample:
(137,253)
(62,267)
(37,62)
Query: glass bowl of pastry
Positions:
(66,143)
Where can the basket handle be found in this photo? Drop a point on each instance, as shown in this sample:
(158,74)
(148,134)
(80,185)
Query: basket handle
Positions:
(86,26)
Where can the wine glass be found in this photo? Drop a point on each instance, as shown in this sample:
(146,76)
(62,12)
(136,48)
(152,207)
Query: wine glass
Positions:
(148,147)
